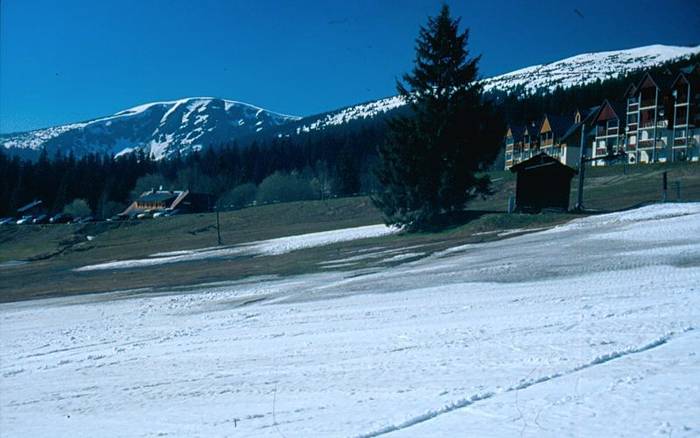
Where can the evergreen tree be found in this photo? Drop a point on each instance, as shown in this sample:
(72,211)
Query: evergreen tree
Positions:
(429,162)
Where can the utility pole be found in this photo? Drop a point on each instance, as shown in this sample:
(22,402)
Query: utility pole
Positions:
(581,167)
(664,190)
(218,226)
(608,158)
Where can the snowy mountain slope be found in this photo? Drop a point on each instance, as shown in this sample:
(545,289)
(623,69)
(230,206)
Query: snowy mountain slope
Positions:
(591,334)
(586,68)
(577,70)
(165,128)
(160,129)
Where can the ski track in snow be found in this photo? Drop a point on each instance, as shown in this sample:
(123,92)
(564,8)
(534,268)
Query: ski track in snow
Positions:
(588,329)
(524,385)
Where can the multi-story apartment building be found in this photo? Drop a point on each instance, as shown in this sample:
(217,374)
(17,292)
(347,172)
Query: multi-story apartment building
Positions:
(648,103)
(685,92)
(557,136)
(658,121)
(608,133)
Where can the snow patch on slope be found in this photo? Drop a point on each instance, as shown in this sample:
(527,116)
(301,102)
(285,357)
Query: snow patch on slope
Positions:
(269,247)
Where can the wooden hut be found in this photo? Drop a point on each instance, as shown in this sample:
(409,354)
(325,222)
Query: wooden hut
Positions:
(542,182)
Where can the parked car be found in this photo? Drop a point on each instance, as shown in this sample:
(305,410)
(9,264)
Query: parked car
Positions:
(172,212)
(144,215)
(7,221)
(25,220)
(61,218)
(118,217)
(159,214)
(41,219)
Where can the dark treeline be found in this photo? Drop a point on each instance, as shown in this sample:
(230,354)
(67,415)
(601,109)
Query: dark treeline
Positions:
(337,161)
(59,180)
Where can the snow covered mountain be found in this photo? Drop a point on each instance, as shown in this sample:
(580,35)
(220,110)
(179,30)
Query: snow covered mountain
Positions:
(587,68)
(577,70)
(160,129)
(163,129)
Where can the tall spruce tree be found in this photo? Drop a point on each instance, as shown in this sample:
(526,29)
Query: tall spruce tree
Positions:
(429,162)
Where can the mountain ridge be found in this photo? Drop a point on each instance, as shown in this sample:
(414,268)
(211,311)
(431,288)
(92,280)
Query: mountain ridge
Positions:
(165,128)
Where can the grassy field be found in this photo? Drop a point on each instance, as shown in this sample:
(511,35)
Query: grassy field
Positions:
(53,251)
(612,188)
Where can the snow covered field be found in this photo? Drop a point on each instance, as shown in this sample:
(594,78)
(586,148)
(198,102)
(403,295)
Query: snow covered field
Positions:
(588,329)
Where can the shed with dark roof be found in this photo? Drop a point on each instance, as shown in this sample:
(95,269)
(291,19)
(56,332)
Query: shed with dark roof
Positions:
(542,182)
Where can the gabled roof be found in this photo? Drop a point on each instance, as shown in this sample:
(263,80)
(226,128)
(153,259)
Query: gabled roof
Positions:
(661,81)
(559,124)
(517,131)
(157,196)
(586,120)
(690,74)
(617,107)
(630,91)
(573,129)
(29,206)
(542,160)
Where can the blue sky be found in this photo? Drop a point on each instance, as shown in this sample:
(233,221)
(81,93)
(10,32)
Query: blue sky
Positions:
(70,60)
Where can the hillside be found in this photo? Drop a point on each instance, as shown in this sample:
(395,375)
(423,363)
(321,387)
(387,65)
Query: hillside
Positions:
(159,129)
(574,71)
(54,250)
(164,129)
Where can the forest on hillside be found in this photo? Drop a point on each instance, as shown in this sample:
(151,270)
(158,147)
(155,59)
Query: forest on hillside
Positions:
(337,161)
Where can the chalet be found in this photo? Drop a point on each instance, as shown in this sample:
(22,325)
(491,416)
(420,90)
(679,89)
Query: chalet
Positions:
(685,91)
(167,200)
(542,182)
(608,130)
